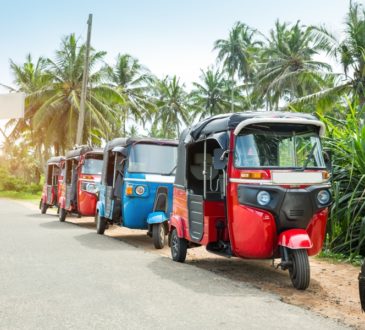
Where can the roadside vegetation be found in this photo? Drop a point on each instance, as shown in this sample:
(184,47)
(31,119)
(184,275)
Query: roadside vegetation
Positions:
(288,69)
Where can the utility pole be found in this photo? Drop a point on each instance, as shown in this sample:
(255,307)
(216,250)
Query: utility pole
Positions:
(80,124)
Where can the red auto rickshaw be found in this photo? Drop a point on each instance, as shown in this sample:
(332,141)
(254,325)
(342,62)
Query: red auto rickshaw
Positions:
(52,186)
(83,167)
(252,185)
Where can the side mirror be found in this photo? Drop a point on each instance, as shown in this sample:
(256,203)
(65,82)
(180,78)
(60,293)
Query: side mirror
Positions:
(219,159)
(327,156)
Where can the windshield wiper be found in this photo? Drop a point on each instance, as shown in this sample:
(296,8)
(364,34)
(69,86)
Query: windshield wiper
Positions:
(309,156)
(172,171)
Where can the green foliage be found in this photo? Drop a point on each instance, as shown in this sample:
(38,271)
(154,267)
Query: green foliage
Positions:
(340,257)
(10,182)
(346,140)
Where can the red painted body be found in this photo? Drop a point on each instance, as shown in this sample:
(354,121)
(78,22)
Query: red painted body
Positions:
(55,198)
(295,239)
(86,201)
(251,232)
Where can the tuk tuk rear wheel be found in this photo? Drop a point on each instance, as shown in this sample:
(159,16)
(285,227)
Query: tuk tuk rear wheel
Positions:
(44,208)
(158,235)
(299,271)
(179,247)
(100,224)
(62,214)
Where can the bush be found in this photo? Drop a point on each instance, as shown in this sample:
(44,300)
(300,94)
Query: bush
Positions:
(9,182)
(346,225)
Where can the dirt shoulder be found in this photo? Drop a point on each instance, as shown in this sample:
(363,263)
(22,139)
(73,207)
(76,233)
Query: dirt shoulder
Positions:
(333,291)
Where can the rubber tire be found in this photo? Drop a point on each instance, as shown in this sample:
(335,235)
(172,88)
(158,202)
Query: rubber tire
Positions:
(299,271)
(158,236)
(62,215)
(44,208)
(179,247)
(101,224)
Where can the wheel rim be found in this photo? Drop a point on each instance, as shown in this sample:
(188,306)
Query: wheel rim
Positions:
(174,244)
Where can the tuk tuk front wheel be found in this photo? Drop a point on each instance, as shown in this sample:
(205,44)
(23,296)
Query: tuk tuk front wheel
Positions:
(158,235)
(44,208)
(100,224)
(299,270)
(179,247)
(62,214)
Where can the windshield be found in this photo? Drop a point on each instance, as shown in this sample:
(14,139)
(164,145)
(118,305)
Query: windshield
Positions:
(151,158)
(273,147)
(92,166)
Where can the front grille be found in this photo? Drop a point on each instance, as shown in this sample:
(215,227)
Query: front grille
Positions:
(296,213)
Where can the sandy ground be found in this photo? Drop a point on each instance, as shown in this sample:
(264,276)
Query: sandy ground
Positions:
(333,291)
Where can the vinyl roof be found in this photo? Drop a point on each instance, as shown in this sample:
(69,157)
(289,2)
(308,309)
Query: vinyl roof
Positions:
(230,121)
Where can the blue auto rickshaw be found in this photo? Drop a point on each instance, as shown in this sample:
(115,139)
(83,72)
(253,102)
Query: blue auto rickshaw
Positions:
(137,186)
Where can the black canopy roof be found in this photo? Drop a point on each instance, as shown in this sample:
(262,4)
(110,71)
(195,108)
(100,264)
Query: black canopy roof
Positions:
(75,153)
(122,142)
(229,121)
(96,151)
(216,128)
(55,160)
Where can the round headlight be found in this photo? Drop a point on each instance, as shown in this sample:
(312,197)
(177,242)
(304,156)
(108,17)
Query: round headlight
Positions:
(263,198)
(323,197)
(91,188)
(140,190)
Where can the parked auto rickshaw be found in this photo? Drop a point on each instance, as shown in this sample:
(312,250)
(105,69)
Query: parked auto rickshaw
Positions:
(136,186)
(252,185)
(83,167)
(52,186)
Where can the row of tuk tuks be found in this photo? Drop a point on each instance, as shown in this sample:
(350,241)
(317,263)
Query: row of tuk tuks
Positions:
(253,185)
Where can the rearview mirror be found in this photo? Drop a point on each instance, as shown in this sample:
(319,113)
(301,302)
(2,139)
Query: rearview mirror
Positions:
(327,156)
(219,159)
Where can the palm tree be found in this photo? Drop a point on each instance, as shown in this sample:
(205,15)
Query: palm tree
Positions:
(171,103)
(32,79)
(350,52)
(132,82)
(211,96)
(237,54)
(288,69)
(59,113)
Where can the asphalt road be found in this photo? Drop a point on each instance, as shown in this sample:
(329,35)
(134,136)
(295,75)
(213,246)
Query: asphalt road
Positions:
(62,276)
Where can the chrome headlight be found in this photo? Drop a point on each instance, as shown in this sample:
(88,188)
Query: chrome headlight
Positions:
(263,198)
(323,197)
(140,190)
(90,187)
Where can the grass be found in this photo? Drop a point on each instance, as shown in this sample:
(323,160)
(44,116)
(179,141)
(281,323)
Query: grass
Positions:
(21,195)
(340,258)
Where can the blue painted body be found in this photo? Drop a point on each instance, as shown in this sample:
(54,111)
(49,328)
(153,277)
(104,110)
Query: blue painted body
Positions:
(137,210)
(156,217)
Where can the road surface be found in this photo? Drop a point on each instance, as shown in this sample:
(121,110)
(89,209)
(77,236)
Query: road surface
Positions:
(62,276)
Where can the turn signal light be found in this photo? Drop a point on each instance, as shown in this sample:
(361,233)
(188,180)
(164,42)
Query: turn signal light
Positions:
(325,175)
(252,175)
(129,190)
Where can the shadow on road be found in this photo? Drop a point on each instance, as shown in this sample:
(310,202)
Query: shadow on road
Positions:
(57,225)
(137,240)
(183,274)
(258,273)
(38,215)
(100,242)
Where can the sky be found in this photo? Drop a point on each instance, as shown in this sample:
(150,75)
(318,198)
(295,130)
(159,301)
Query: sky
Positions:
(167,36)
